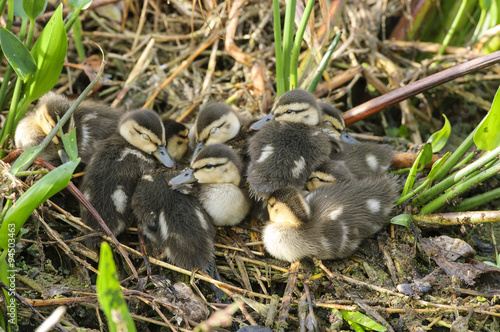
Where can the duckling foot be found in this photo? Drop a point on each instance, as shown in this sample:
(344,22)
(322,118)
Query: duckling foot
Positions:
(212,271)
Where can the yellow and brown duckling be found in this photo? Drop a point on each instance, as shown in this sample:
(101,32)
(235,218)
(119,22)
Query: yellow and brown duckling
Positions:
(177,136)
(217,169)
(118,164)
(218,123)
(332,120)
(175,224)
(94,122)
(330,222)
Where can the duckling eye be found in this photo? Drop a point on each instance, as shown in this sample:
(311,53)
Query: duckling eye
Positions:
(288,112)
(153,226)
(145,137)
(328,124)
(208,166)
(214,130)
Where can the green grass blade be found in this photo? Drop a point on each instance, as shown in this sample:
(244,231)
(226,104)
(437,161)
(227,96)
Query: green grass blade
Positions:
(297,44)
(80,4)
(322,65)
(280,80)
(49,185)
(364,321)
(288,31)
(110,295)
(424,157)
(7,265)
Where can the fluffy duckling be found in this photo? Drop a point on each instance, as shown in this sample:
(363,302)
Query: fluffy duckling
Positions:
(118,164)
(330,222)
(362,159)
(285,153)
(174,223)
(94,122)
(218,171)
(219,124)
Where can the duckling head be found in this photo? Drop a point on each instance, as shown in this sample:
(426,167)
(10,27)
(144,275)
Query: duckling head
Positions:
(318,179)
(213,164)
(215,124)
(143,129)
(332,119)
(176,138)
(287,205)
(293,106)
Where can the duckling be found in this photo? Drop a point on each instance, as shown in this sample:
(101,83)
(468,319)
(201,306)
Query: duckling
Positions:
(330,172)
(293,106)
(330,222)
(118,164)
(218,123)
(94,122)
(332,120)
(174,223)
(362,159)
(177,139)
(218,170)
(285,153)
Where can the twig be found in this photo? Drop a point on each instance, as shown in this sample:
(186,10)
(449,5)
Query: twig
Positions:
(377,104)
(287,296)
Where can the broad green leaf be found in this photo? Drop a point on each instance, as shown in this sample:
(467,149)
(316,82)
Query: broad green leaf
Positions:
(438,139)
(360,319)
(49,52)
(109,293)
(437,165)
(69,142)
(487,136)
(18,55)
(402,220)
(34,8)
(50,184)
(19,10)
(80,4)
(6,265)
(424,157)
(25,157)
(485,4)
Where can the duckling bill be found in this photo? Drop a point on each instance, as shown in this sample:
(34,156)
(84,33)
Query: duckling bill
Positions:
(329,223)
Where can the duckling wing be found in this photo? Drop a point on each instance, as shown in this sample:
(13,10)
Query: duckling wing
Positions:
(344,214)
(365,159)
(94,122)
(284,153)
(174,223)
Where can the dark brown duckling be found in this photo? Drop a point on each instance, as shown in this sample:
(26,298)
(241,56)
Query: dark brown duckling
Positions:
(329,223)
(174,223)
(118,164)
(94,122)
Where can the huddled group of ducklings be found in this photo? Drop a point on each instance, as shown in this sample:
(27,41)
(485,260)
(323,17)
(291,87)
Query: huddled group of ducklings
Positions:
(325,192)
